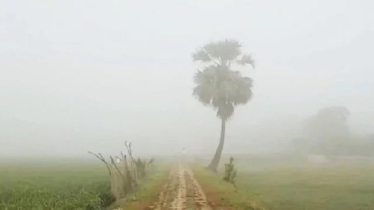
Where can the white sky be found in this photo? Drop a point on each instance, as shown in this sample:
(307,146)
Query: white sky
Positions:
(86,75)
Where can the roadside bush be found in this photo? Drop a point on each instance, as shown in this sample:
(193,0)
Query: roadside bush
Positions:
(230,171)
(125,173)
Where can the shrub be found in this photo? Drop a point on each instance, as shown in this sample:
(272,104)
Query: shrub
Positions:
(230,171)
(124,173)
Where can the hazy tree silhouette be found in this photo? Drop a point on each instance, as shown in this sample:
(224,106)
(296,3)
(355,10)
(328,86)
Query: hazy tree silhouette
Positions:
(329,123)
(220,87)
(328,129)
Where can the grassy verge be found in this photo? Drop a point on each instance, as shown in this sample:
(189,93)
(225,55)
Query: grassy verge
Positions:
(148,191)
(222,194)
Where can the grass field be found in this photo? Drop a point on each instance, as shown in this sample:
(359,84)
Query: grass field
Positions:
(261,184)
(52,185)
(298,185)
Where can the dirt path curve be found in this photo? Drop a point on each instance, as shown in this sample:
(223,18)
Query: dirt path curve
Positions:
(181,192)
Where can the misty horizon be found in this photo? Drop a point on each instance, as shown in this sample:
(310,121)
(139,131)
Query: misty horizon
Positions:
(115,71)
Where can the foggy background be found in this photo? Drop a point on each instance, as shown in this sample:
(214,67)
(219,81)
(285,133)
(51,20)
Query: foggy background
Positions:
(87,75)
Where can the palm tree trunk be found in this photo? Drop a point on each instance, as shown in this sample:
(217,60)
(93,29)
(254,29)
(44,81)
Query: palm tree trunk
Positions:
(217,156)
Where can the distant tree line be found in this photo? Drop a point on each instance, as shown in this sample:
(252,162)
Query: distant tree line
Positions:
(327,133)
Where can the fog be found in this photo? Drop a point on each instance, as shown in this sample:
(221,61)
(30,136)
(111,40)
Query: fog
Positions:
(88,75)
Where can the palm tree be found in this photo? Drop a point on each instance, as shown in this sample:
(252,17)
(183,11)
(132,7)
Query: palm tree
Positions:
(220,87)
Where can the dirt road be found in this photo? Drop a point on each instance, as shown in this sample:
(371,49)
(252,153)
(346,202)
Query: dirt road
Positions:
(181,192)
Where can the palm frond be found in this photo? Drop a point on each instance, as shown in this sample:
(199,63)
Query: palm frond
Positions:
(206,82)
(201,55)
(225,111)
(217,85)
(223,50)
(222,90)
(246,59)
(244,93)
(202,94)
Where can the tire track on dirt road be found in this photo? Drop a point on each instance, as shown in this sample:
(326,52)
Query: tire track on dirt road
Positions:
(181,192)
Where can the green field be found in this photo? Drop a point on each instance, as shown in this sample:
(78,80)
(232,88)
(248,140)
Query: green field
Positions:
(64,185)
(272,184)
(305,186)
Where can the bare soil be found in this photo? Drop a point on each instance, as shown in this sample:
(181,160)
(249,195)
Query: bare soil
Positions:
(181,192)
